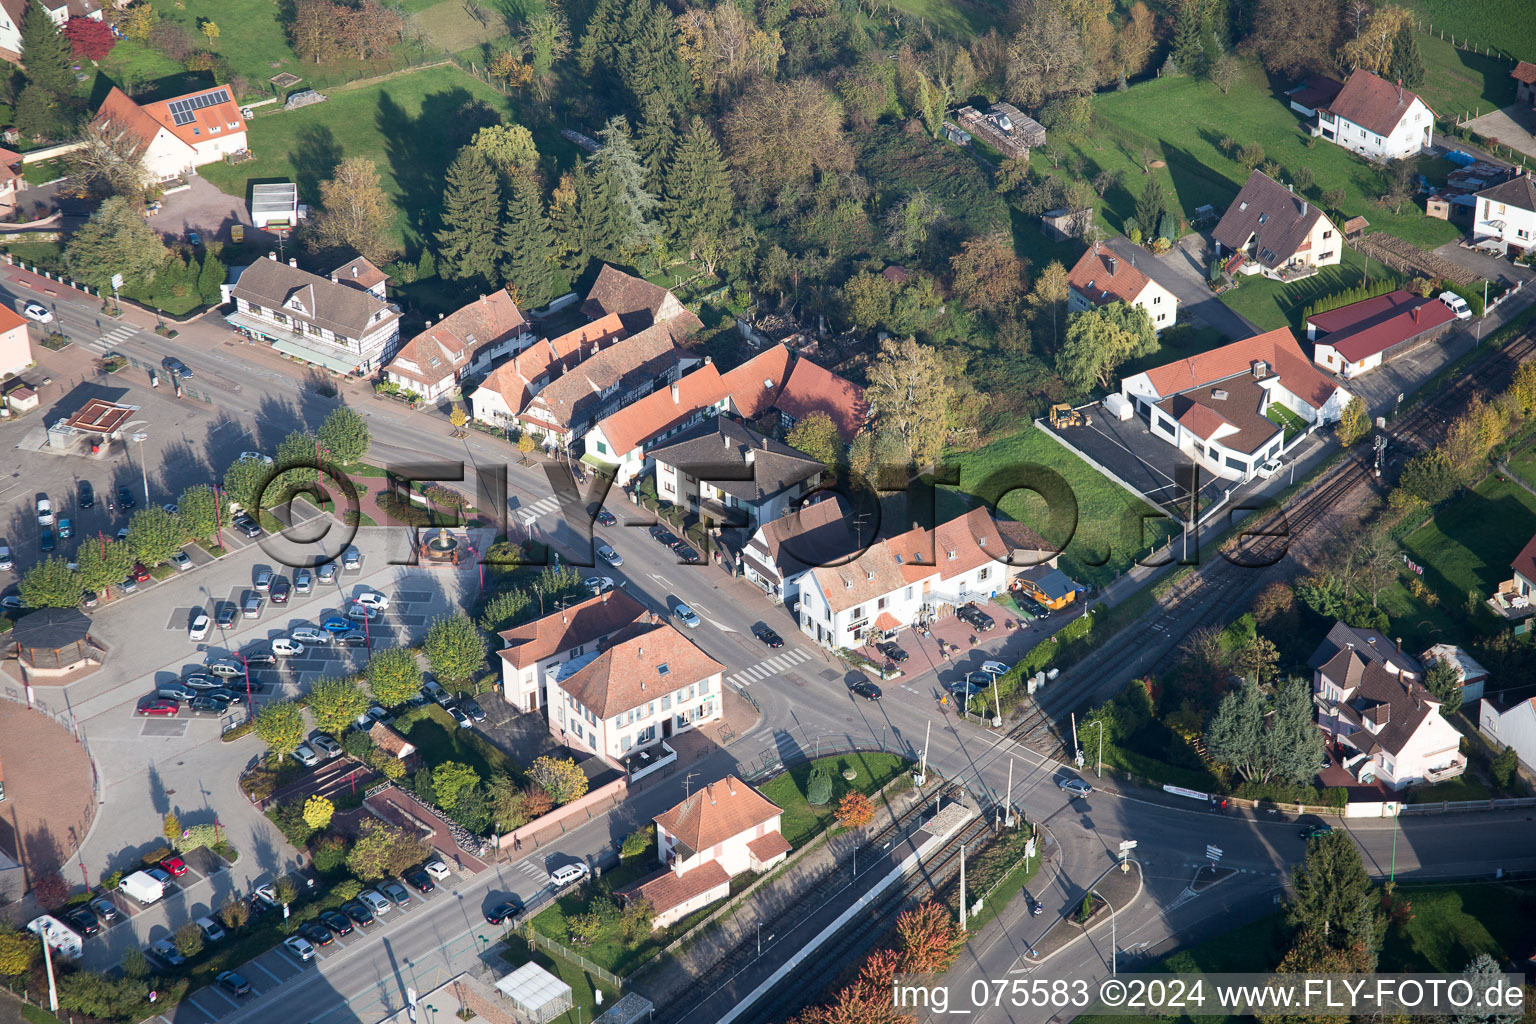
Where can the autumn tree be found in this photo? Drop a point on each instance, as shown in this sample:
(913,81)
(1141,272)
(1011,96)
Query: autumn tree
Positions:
(817,436)
(509,148)
(1100,340)
(336,704)
(468,244)
(546,41)
(1046,57)
(910,390)
(785,132)
(454,648)
(930,940)
(1372,49)
(1050,294)
(17,951)
(987,274)
(393,675)
(855,810)
(561,778)
(89,38)
(383,849)
(1353,422)
(723,48)
(1294,37)
(280,725)
(354,212)
(327,32)
(317,812)
(116,240)
(344,435)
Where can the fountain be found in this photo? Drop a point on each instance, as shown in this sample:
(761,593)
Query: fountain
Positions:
(441,548)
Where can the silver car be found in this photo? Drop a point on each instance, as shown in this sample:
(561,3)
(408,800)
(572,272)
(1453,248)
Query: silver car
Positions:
(1076,787)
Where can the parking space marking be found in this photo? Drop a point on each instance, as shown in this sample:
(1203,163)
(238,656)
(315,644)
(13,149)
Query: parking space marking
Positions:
(163,729)
(257,964)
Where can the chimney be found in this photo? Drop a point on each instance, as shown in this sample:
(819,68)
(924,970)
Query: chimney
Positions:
(293,262)
(1305,207)
(1414,313)
(675,398)
(1114,265)
(748,455)
(1399,645)
(729,780)
(272,256)
(354,273)
(640,651)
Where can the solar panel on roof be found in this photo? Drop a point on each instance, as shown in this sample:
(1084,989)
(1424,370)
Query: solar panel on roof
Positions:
(184,110)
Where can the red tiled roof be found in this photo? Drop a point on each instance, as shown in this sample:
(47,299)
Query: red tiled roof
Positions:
(1392,329)
(643,662)
(361,273)
(1357,313)
(667,890)
(1372,102)
(590,338)
(1524,72)
(717,812)
(641,356)
(453,340)
(755,384)
(974,539)
(207,123)
(1525,561)
(516,378)
(118,113)
(10,319)
(873,574)
(584,623)
(661,410)
(768,846)
(1277,348)
(810,388)
(1101,277)
(885,620)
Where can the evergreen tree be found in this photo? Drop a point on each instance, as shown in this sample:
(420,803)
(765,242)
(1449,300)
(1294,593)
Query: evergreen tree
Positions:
(697,197)
(211,277)
(1332,895)
(601,38)
(584,224)
(37,112)
(529,244)
(1153,202)
(1187,51)
(650,60)
(621,180)
(1406,64)
(46,53)
(656,141)
(467,245)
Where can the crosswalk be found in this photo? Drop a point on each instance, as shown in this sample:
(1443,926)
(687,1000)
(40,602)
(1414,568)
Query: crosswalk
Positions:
(530,868)
(539,509)
(770,667)
(107,342)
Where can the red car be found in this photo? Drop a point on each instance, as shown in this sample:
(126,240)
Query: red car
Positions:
(140,573)
(175,866)
(161,707)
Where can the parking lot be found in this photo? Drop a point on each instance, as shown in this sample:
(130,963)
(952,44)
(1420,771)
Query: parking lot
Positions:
(1155,470)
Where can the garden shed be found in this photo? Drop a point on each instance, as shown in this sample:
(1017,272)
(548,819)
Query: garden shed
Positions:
(536,995)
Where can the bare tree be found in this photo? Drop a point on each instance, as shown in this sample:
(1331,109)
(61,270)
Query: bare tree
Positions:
(110,160)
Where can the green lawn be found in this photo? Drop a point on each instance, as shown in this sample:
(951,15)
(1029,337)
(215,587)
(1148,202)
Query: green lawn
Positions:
(1465,787)
(1151,120)
(440,739)
(1461,551)
(1107,533)
(1271,304)
(959,18)
(517,951)
(1523,463)
(1452,924)
(1456,81)
(801,821)
(448,25)
(1503,24)
(1293,424)
(411,126)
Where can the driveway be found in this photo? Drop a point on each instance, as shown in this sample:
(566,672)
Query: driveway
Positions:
(204,209)
(1494,268)
(1182,271)
(1510,127)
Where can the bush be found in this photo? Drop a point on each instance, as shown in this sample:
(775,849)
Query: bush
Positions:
(1503,767)
(189,939)
(818,789)
(330,855)
(346,890)
(134,963)
(289,819)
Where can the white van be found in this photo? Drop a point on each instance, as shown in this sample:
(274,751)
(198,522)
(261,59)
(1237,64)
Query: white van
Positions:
(1457,304)
(568,874)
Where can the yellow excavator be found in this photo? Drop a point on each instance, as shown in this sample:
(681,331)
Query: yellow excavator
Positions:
(1063,415)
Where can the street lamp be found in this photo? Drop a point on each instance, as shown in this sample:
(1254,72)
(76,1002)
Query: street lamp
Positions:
(1113,942)
(1098,770)
(250,712)
(141,437)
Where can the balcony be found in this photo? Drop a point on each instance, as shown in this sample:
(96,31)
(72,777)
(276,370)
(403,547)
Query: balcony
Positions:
(1457,766)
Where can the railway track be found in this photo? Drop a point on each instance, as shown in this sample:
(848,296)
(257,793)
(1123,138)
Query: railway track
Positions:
(1215,589)
(834,956)
(705,985)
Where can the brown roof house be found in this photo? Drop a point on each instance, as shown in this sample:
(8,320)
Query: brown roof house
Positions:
(721,830)
(532,649)
(1279,233)
(1525,82)
(1359,337)
(1102,277)
(812,388)
(1384,725)
(783,550)
(728,473)
(1376,118)
(391,742)
(638,303)
(647,683)
(315,319)
(1214,406)
(174,136)
(434,362)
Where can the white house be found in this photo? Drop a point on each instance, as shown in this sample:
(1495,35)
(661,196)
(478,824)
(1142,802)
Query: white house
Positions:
(1506,213)
(175,136)
(1102,277)
(722,830)
(1278,233)
(529,650)
(649,682)
(618,443)
(13,12)
(1376,118)
(433,363)
(1506,721)
(729,474)
(1357,338)
(1213,406)
(916,577)
(342,327)
(783,550)
(1381,721)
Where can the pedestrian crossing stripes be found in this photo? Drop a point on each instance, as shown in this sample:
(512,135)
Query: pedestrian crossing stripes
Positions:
(770,667)
(539,509)
(113,338)
(531,869)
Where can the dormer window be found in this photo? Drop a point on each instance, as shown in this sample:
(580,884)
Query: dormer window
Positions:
(953,555)
(1263,218)
(214,129)
(847,583)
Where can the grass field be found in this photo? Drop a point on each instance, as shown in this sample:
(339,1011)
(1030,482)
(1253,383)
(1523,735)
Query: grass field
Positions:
(1523,463)
(1271,304)
(1152,121)
(1457,81)
(453,25)
(1503,24)
(1106,534)
(439,739)
(411,126)
(1463,787)
(1452,924)
(961,19)
(801,821)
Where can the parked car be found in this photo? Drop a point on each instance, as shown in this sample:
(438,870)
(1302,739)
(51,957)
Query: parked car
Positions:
(285,648)
(225,616)
(248,526)
(686,554)
(597,584)
(125,499)
(326,573)
(176,366)
(174,691)
(504,912)
(1311,832)
(200,682)
(160,708)
(768,636)
(163,949)
(457,714)
(893,652)
(87,495)
(194,238)
(251,609)
(866,689)
(418,879)
(45,540)
(44,511)
(472,708)
(351,558)
(263,580)
(66,528)
(207,704)
(89,598)
(1267,470)
(233,983)
(396,892)
(197,629)
(316,933)
(300,947)
(664,536)
(374,902)
(84,921)
(225,696)
(688,616)
(358,912)
(994,668)
(258,659)
(303,581)
(305,755)
(309,635)
(436,868)
(372,599)
(6,561)
(265,460)
(362,613)
(182,561)
(433,689)
(356,638)
(225,668)
(974,617)
(281,588)
(567,874)
(337,624)
(211,930)
(606,518)
(1457,304)
(105,910)
(337,922)
(323,744)
(609,555)
(141,572)
(174,866)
